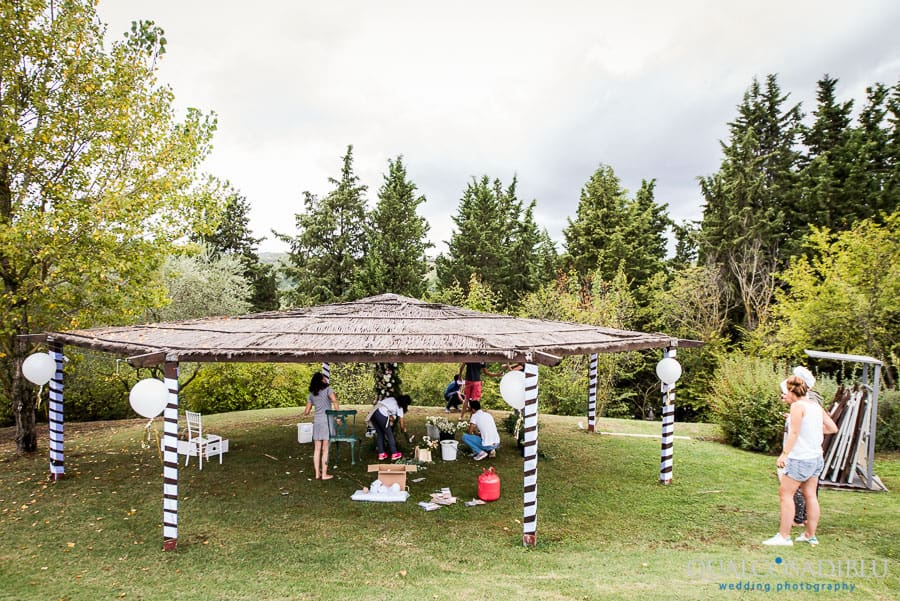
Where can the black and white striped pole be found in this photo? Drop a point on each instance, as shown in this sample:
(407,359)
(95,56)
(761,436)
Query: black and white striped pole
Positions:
(170,458)
(39,369)
(530,415)
(56,416)
(149,398)
(592,394)
(668,370)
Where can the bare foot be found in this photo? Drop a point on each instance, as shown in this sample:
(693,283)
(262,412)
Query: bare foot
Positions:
(318,476)
(327,477)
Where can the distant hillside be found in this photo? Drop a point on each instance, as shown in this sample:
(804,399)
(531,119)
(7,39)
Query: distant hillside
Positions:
(272,258)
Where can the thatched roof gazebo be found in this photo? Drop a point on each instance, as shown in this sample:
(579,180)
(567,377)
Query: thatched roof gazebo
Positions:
(385,328)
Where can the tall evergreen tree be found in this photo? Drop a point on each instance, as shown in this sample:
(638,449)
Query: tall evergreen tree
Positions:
(326,256)
(600,213)
(532,254)
(751,219)
(474,245)
(612,233)
(891,200)
(396,260)
(497,240)
(645,229)
(233,237)
(826,198)
(874,176)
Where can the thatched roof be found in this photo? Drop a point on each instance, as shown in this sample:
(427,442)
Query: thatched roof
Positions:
(385,328)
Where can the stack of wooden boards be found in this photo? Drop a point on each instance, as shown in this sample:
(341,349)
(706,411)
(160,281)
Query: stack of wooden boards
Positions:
(846,452)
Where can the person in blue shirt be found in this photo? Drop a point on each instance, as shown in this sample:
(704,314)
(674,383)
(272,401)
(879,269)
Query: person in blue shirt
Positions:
(453,394)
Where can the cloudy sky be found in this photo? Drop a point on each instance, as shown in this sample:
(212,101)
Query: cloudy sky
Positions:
(543,90)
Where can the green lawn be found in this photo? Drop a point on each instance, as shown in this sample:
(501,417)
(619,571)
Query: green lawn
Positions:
(258,527)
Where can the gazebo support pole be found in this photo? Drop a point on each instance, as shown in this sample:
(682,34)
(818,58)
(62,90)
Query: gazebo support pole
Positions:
(873,420)
(170,458)
(326,370)
(56,416)
(668,427)
(530,413)
(592,394)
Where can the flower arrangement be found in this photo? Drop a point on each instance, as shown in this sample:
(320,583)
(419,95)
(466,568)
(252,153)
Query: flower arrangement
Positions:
(445,425)
(426,442)
(387,380)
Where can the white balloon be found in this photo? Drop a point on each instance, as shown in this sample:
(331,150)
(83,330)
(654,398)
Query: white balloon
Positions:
(668,370)
(149,397)
(38,368)
(512,389)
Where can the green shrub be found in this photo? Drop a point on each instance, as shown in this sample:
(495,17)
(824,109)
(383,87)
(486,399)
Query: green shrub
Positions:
(887,432)
(425,382)
(221,387)
(563,389)
(745,399)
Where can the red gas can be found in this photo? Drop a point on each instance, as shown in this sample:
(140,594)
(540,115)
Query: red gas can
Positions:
(489,485)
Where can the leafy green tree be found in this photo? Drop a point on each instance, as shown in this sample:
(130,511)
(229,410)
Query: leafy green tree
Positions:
(609,303)
(397,240)
(96,179)
(233,237)
(846,297)
(497,239)
(203,285)
(327,255)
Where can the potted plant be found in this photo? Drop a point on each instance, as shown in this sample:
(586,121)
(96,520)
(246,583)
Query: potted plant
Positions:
(424,447)
(431,427)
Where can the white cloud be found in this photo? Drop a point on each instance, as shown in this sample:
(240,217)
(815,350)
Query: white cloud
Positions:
(543,90)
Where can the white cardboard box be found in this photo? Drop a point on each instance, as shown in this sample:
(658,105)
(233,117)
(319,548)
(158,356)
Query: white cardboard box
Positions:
(212,449)
(304,432)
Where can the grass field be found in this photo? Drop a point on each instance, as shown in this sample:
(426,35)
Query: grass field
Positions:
(258,527)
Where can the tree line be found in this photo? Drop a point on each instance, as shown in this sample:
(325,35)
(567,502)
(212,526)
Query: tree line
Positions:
(106,218)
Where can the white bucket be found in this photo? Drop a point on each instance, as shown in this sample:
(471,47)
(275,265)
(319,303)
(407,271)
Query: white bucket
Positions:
(304,432)
(448,450)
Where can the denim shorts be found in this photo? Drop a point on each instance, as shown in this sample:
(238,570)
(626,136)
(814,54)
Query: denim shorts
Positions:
(802,470)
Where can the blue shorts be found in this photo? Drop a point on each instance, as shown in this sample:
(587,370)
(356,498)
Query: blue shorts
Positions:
(802,470)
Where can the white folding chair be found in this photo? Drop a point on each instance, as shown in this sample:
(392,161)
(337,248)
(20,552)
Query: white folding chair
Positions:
(200,445)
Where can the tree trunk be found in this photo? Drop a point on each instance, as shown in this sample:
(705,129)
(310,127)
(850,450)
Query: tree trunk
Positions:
(23,400)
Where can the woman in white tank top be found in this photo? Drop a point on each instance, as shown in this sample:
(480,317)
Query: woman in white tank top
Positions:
(801,459)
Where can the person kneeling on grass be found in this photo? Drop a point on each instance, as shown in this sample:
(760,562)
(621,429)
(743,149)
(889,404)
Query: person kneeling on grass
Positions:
(489,439)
